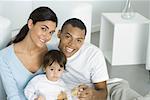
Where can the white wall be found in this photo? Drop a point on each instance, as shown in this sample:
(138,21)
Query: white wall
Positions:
(103,6)
(16,11)
(148,46)
(99,6)
(149,9)
(1,6)
(142,6)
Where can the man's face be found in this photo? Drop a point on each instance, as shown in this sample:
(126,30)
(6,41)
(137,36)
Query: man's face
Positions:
(71,40)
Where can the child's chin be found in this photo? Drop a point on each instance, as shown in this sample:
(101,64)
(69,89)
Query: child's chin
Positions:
(54,80)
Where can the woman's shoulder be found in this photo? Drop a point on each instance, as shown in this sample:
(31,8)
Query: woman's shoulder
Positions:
(5,48)
(6,52)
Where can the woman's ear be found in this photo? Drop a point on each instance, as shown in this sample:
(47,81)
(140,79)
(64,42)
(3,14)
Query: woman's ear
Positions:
(30,23)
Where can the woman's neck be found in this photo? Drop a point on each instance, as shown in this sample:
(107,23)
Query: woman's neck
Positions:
(27,47)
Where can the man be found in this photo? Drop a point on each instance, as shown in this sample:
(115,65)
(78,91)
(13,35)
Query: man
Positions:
(86,65)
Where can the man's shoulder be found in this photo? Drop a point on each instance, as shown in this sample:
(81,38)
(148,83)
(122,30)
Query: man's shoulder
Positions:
(90,48)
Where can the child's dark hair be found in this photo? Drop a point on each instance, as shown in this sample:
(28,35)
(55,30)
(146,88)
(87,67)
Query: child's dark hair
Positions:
(54,56)
(75,22)
(39,14)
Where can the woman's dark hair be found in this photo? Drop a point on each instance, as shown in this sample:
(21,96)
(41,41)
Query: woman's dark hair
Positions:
(75,22)
(39,14)
(54,56)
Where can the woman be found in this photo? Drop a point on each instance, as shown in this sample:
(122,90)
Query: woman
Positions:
(22,60)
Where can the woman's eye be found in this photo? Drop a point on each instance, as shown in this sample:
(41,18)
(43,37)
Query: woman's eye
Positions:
(51,33)
(44,29)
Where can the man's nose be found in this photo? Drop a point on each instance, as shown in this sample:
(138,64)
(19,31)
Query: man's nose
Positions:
(72,42)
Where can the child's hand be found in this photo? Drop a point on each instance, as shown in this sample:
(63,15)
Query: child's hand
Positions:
(62,96)
(40,98)
(74,91)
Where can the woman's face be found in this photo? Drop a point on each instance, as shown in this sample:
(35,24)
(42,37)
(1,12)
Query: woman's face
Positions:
(54,72)
(41,32)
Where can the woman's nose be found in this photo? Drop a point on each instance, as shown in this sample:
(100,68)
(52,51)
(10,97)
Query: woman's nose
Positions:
(47,35)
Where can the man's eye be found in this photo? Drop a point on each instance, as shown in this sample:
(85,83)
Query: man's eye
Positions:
(79,41)
(67,36)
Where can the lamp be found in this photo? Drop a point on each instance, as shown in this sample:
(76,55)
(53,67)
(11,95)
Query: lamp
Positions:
(127,12)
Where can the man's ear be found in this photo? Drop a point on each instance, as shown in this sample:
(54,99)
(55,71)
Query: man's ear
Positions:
(58,33)
(30,23)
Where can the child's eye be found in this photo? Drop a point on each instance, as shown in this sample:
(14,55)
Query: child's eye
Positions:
(59,69)
(51,69)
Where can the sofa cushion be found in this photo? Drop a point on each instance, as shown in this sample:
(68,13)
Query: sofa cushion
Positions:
(5,35)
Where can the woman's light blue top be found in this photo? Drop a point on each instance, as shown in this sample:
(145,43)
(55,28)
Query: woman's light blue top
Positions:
(14,74)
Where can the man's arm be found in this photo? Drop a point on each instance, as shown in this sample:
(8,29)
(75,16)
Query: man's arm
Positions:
(101,91)
(90,93)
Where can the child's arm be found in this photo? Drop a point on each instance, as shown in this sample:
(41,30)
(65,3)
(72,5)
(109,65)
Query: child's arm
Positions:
(30,90)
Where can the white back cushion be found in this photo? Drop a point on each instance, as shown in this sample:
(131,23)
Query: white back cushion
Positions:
(5,35)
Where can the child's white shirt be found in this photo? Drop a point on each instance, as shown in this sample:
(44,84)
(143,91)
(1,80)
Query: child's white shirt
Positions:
(40,85)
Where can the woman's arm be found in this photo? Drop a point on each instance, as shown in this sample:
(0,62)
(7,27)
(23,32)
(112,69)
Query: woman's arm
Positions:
(9,83)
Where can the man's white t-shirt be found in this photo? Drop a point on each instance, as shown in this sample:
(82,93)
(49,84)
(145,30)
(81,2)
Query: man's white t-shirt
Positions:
(86,66)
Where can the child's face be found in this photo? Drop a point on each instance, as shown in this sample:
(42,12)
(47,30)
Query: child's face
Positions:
(54,71)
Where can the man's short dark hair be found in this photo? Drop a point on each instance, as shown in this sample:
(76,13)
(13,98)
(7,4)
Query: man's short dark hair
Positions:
(75,22)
